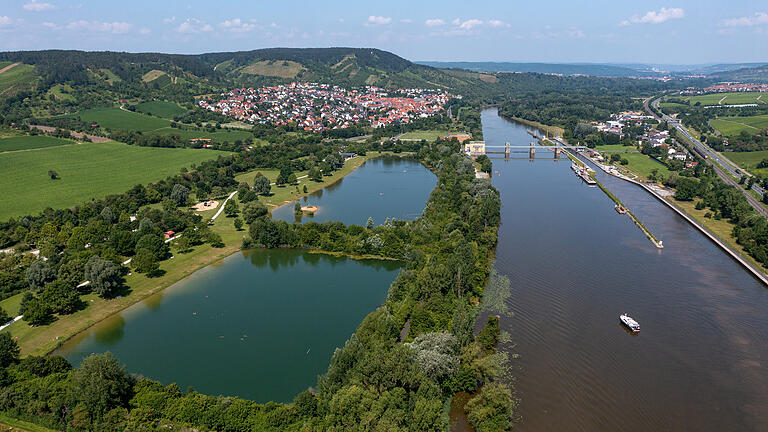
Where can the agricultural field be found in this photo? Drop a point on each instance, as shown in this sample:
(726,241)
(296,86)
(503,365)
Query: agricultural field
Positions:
(86,171)
(15,77)
(617,148)
(731,126)
(115,119)
(162,109)
(62,92)
(638,162)
(734,98)
(749,160)
(28,142)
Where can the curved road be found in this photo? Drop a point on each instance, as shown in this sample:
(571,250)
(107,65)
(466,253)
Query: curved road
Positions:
(722,162)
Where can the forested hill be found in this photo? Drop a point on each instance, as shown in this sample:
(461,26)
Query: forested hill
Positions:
(342,66)
(755,74)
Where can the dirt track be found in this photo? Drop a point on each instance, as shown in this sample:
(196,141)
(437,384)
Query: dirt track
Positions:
(8,67)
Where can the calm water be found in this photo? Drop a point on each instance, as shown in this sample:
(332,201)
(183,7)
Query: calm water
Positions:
(575,264)
(381,188)
(261,324)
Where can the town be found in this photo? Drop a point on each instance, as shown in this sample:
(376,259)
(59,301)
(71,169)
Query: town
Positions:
(319,107)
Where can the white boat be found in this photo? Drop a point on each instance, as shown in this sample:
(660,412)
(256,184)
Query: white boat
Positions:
(629,322)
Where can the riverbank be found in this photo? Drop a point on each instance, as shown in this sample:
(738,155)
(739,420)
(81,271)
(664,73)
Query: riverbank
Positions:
(41,340)
(550,130)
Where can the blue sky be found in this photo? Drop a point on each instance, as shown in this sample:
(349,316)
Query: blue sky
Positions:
(679,32)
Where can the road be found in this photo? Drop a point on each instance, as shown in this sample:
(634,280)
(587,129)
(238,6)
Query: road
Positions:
(714,159)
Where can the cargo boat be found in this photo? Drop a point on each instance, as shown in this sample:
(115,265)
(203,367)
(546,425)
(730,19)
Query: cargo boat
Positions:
(620,209)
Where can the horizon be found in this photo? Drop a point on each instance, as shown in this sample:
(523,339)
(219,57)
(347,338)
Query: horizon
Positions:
(602,32)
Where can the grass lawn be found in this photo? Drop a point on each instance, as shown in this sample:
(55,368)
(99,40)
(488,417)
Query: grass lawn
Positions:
(642,164)
(42,340)
(26,142)
(429,135)
(161,109)
(87,171)
(114,118)
(11,304)
(734,125)
(9,424)
(749,160)
(722,228)
(732,98)
(617,148)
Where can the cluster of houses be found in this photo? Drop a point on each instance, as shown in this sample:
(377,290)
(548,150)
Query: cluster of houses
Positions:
(729,87)
(618,121)
(318,107)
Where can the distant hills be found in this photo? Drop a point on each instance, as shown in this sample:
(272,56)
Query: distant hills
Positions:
(548,68)
(753,74)
(597,69)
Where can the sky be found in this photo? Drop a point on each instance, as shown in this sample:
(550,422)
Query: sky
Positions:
(592,31)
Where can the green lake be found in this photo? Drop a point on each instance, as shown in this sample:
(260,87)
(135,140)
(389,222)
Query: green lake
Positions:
(261,324)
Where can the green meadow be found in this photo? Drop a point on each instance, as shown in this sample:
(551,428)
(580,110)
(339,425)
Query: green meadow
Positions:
(27,142)
(732,126)
(86,171)
(163,109)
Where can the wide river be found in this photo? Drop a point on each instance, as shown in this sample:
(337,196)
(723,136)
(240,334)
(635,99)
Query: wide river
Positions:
(263,324)
(699,363)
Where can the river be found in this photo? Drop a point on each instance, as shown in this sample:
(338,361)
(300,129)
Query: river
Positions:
(575,265)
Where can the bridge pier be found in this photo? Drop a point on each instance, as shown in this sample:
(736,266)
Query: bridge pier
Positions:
(532,151)
(507,151)
(557,152)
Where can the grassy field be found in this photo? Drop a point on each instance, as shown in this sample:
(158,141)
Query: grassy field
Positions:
(617,148)
(749,160)
(731,126)
(640,163)
(163,109)
(429,135)
(42,340)
(115,118)
(733,98)
(8,424)
(27,142)
(62,92)
(87,171)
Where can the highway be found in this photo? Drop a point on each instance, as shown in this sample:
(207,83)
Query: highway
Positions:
(714,159)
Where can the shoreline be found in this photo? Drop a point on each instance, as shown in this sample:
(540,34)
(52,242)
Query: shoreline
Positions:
(226,252)
(735,255)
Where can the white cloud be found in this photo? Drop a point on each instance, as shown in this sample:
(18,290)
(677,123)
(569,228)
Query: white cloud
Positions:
(36,6)
(144,31)
(4,20)
(169,20)
(378,20)
(50,25)
(193,25)
(456,21)
(97,26)
(498,23)
(406,21)
(575,33)
(434,22)
(468,24)
(238,26)
(656,17)
(759,18)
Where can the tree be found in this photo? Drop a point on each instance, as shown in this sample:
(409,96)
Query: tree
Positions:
(101,384)
(292,179)
(53,175)
(253,210)
(305,188)
(60,298)
(280,180)
(9,350)
(492,409)
(261,185)
(265,231)
(4,317)
(231,208)
(485,163)
(488,337)
(36,312)
(315,174)
(687,189)
(154,244)
(369,223)
(104,276)
(238,224)
(179,194)
(297,209)
(38,274)
(334,161)
(108,215)
(144,262)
